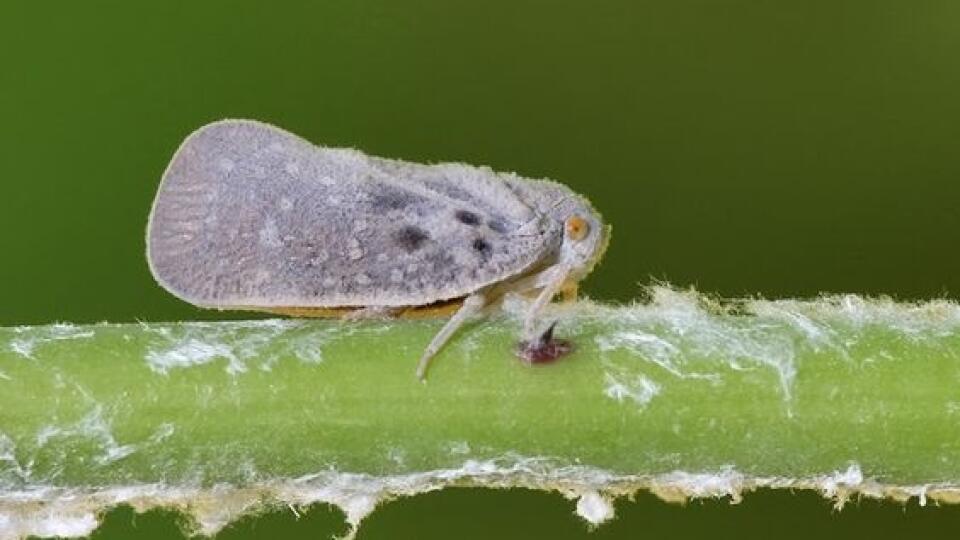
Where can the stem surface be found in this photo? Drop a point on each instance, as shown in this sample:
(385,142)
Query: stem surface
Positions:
(683,395)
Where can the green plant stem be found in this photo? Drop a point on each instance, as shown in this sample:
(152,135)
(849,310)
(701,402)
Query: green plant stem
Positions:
(680,395)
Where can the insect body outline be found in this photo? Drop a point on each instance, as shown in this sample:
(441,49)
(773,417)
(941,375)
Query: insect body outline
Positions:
(249,216)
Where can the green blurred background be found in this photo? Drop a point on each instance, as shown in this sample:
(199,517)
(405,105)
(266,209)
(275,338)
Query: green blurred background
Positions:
(744,147)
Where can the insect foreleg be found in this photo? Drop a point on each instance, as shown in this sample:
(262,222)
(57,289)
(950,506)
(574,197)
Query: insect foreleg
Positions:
(551,280)
(568,291)
(471,306)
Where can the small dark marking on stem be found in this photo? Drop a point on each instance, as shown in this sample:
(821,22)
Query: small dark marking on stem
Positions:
(544,349)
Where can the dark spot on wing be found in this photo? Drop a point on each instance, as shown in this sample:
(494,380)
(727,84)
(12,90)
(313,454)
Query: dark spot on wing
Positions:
(410,238)
(497,225)
(482,247)
(467,217)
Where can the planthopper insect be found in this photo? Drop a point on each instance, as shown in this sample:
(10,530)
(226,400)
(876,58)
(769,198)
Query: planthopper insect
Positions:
(251,217)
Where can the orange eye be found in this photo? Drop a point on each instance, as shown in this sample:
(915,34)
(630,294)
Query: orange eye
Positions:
(577,228)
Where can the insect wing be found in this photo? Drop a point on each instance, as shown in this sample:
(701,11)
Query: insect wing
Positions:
(249,215)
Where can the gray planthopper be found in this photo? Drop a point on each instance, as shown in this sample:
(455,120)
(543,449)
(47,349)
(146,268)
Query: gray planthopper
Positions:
(249,216)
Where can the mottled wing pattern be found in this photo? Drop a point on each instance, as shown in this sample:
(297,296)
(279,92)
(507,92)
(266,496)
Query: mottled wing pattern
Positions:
(249,215)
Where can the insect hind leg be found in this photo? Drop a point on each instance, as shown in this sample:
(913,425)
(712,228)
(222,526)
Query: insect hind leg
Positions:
(471,306)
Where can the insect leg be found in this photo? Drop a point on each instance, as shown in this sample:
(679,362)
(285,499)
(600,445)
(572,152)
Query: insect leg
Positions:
(568,291)
(471,306)
(554,278)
